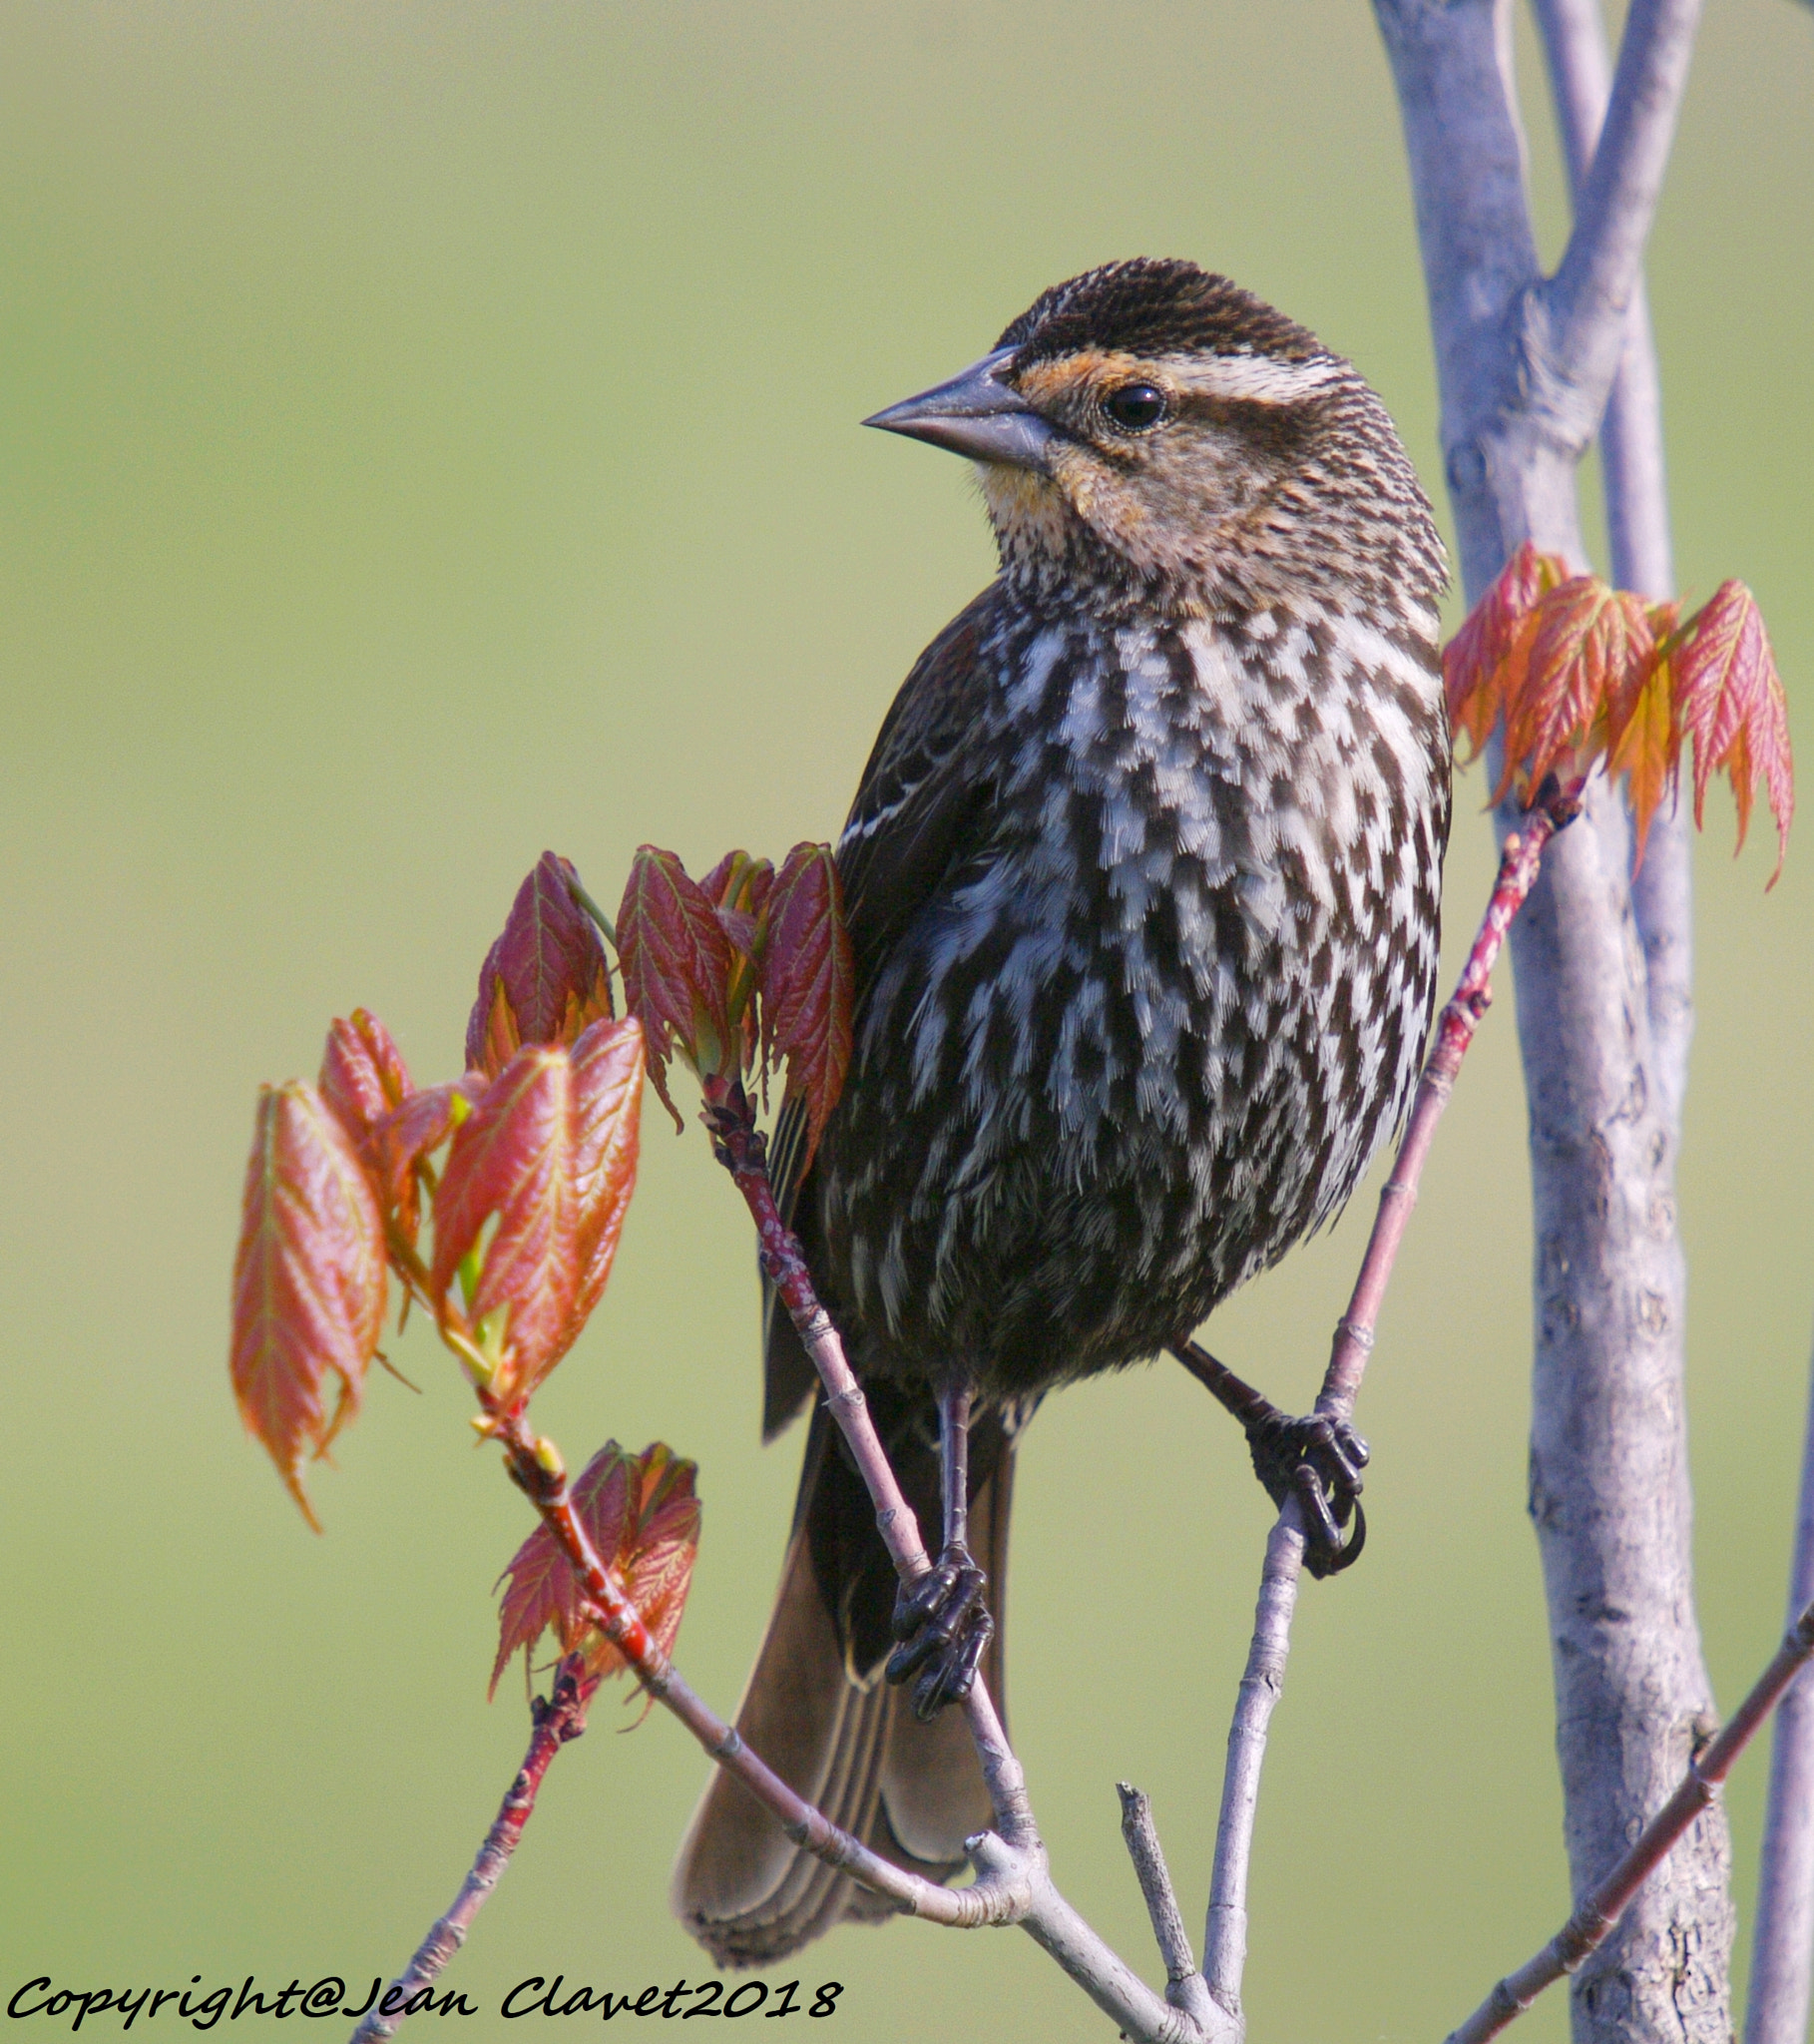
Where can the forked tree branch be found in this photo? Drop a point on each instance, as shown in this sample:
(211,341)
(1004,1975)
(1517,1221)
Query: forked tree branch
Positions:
(1609,1469)
(1013,1884)
(1586,302)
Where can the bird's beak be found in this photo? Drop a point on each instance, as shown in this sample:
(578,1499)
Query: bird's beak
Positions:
(976,414)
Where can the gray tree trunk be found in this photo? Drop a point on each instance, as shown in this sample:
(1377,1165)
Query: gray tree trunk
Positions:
(1525,365)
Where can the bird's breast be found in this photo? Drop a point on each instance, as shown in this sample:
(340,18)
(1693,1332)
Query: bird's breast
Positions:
(1165,1003)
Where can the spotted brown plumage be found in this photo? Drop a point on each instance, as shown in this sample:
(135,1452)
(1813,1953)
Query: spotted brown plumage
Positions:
(1142,879)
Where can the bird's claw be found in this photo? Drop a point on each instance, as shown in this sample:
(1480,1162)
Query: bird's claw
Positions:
(944,1627)
(1320,1459)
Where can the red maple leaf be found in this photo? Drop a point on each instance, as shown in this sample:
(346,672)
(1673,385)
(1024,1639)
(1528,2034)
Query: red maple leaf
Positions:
(1474,660)
(549,1156)
(546,978)
(308,1282)
(677,962)
(807,977)
(1730,701)
(642,1515)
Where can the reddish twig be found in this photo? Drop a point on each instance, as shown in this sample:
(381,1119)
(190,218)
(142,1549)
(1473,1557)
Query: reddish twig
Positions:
(1595,1920)
(1519,858)
(1225,1929)
(536,1470)
(561,1718)
(742,1149)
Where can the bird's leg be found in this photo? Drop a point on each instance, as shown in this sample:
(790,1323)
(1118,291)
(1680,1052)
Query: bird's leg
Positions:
(1282,1448)
(941,1620)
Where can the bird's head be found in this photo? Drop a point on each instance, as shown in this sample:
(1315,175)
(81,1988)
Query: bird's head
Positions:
(1150,433)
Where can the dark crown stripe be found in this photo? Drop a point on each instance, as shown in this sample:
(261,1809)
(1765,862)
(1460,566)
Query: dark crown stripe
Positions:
(1151,307)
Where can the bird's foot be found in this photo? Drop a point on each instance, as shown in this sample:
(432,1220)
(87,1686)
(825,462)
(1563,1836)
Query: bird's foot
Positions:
(1321,1459)
(943,1626)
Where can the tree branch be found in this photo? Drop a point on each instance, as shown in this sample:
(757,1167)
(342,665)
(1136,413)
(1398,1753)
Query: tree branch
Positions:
(561,1718)
(1782,1951)
(1636,484)
(1184,1986)
(1598,1914)
(1587,302)
(1609,1490)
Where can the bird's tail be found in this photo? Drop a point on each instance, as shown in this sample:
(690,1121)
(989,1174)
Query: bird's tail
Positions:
(818,1712)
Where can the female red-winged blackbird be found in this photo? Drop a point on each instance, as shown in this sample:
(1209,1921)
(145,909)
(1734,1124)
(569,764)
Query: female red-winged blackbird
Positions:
(1143,880)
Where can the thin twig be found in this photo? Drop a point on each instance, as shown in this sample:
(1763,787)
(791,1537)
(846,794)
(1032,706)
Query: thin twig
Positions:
(1519,858)
(1226,1928)
(741,1147)
(561,1718)
(1783,1950)
(1596,1916)
(1184,1987)
(537,1473)
(1262,1682)
(744,1150)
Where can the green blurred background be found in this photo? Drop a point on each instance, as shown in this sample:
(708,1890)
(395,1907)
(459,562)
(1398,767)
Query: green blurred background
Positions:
(431,436)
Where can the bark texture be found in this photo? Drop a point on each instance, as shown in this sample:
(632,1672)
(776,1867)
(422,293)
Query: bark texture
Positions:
(1525,366)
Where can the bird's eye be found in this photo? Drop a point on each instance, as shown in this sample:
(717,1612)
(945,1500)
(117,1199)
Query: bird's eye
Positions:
(1135,407)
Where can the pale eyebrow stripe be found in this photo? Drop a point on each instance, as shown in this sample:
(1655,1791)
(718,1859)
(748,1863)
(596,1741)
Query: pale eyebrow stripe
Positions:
(1250,379)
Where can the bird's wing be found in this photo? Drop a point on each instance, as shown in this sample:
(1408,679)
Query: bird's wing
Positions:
(920,793)
(916,810)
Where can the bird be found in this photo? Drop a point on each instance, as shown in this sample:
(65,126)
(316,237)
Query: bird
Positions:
(1143,882)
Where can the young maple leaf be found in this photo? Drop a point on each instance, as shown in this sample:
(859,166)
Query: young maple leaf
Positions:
(1474,661)
(366,1083)
(642,1515)
(363,1076)
(1730,701)
(308,1282)
(404,1141)
(549,1154)
(739,886)
(1580,650)
(807,976)
(1644,739)
(677,963)
(546,978)
(1580,671)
